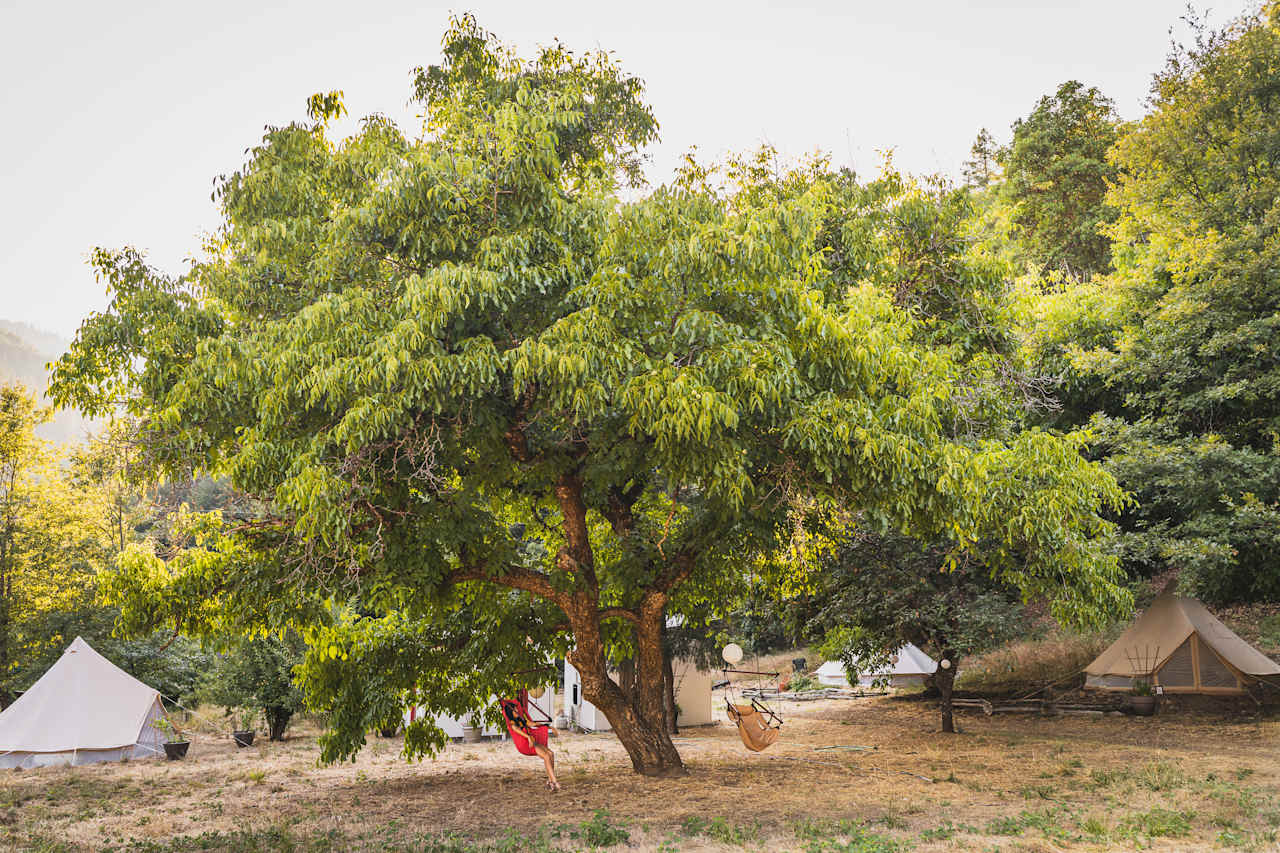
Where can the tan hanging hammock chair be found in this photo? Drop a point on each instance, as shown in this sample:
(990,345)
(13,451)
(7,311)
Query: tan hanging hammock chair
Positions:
(754,727)
(757,723)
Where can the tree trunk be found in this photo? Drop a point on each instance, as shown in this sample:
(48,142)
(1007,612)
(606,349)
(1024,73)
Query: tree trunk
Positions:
(627,677)
(944,679)
(277,721)
(636,714)
(637,717)
(669,687)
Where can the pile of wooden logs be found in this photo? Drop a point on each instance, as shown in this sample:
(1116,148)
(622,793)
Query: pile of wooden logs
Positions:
(769,693)
(1044,707)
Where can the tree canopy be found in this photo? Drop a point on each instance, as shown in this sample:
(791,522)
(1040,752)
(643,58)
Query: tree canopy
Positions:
(1056,174)
(1176,351)
(48,541)
(489,410)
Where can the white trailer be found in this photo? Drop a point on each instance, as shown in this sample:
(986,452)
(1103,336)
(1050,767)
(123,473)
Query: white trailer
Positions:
(541,711)
(693,697)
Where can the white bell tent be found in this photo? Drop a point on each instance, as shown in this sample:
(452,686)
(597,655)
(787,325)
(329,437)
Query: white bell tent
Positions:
(908,667)
(85,709)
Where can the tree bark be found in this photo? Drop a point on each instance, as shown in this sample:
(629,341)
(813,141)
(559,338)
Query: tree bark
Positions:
(277,721)
(944,679)
(669,686)
(639,719)
(627,677)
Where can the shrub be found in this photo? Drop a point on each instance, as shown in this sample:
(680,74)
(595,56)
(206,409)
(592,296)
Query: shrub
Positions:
(601,832)
(1157,823)
(802,682)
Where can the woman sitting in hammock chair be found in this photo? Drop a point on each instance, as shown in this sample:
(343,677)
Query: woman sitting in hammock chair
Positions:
(530,739)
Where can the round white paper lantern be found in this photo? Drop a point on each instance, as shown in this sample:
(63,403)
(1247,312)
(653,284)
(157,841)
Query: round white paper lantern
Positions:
(732,654)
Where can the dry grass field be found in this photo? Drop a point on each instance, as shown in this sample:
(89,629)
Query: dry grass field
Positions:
(1005,783)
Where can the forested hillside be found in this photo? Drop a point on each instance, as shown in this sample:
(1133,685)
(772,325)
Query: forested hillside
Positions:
(1170,352)
(24,352)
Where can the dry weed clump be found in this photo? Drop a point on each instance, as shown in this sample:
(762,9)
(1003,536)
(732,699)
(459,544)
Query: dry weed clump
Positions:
(1056,659)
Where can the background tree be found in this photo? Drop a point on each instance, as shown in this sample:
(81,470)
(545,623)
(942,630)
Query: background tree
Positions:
(878,589)
(1056,174)
(19,450)
(897,591)
(1176,351)
(983,164)
(259,673)
(404,346)
(49,542)
(68,516)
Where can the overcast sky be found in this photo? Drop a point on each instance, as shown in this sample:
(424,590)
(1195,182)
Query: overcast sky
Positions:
(118,115)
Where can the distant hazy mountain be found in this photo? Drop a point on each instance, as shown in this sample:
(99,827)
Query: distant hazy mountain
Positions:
(24,352)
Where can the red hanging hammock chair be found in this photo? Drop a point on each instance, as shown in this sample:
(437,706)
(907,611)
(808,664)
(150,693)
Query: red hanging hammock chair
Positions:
(515,712)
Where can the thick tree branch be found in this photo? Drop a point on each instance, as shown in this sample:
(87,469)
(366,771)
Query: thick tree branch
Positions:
(617,613)
(618,508)
(676,572)
(576,557)
(512,577)
(515,437)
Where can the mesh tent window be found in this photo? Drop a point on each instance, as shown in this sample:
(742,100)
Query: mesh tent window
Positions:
(1213,672)
(1179,670)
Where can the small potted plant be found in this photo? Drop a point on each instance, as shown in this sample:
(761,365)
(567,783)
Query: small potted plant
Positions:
(175,743)
(243,736)
(471,733)
(1142,701)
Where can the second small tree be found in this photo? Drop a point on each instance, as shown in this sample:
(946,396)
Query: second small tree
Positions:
(898,591)
(258,673)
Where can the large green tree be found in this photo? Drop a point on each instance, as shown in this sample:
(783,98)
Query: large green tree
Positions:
(1198,240)
(880,589)
(404,345)
(50,539)
(1056,174)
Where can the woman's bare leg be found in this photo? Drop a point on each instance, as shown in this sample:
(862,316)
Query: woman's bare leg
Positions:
(549,759)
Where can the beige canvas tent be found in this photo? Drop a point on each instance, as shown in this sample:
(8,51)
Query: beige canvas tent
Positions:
(1183,648)
(85,709)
